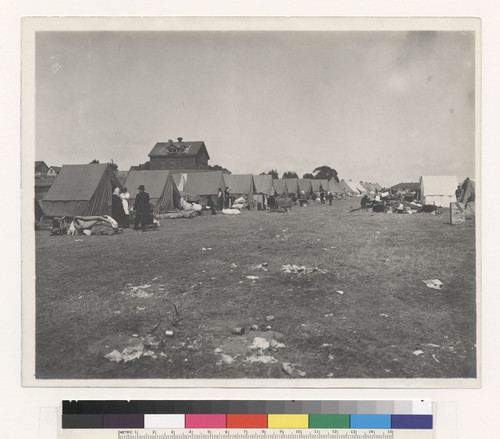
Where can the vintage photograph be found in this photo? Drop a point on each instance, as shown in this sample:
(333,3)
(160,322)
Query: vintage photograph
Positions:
(257,202)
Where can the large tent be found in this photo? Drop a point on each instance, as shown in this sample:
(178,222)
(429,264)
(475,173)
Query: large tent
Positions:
(160,186)
(353,188)
(347,188)
(468,195)
(81,190)
(438,189)
(292,186)
(241,185)
(317,184)
(263,189)
(305,188)
(334,187)
(204,184)
(264,184)
(280,187)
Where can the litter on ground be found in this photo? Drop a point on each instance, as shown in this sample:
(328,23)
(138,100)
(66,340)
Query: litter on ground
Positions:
(301,269)
(261,359)
(339,291)
(418,352)
(433,283)
(260,343)
(252,277)
(291,369)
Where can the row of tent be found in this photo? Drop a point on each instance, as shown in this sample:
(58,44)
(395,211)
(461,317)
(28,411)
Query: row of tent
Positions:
(81,190)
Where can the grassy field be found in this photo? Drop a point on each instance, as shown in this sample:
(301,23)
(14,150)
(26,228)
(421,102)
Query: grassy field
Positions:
(98,294)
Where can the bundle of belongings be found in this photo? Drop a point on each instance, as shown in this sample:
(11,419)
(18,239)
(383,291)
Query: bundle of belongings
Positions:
(86,225)
(239,203)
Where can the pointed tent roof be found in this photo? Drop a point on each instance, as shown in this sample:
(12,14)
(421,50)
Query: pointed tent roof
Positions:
(160,186)
(204,183)
(347,188)
(377,186)
(81,190)
(359,187)
(264,184)
(280,186)
(292,185)
(468,194)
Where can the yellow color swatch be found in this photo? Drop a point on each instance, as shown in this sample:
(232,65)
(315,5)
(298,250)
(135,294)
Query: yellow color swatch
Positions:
(287,421)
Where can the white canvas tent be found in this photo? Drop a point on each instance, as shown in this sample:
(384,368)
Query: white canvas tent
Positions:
(438,189)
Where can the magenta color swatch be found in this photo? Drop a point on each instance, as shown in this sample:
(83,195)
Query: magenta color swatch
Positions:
(205,421)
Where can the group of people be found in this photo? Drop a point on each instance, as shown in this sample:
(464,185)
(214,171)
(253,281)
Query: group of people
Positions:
(120,210)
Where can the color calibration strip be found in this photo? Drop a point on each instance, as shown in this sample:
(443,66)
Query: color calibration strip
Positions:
(247,414)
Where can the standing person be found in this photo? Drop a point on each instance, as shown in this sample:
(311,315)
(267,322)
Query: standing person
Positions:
(141,208)
(226,198)
(364,202)
(330,198)
(117,212)
(124,195)
(220,199)
(211,205)
(322,194)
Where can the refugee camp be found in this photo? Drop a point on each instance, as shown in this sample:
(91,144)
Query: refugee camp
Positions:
(217,205)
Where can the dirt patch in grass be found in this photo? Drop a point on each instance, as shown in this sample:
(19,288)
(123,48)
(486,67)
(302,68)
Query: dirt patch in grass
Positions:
(137,284)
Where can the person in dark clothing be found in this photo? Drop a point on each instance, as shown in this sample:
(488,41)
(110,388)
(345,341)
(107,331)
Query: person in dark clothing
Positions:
(211,205)
(322,195)
(117,212)
(141,208)
(364,202)
(220,199)
(330,198)
(227,199)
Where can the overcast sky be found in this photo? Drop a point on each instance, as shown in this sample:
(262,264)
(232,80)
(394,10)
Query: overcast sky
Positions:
(376,106)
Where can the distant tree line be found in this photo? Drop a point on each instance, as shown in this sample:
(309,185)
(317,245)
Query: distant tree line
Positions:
(320,173)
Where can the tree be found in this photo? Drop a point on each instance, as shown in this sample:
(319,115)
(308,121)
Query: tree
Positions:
(325,172)
(94,162)
(290,174)
(113,164)
(272,172)
(308,175)
(218,168)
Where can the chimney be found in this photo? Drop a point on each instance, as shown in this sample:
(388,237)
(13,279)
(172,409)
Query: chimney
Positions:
(179,139)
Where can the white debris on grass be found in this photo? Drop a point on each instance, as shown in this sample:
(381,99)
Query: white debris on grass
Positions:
(432,345)
(301,269)
(206,249)
(233,265)
(339,292)
(252,277)
(291,369)
(276,344)
(266,359)
(330,375)
(384,315)
(262,267)
(436,284)
(331,356)
(329,315)
(418,352)
(435,359)
(225,359)
(325,345)
(260,343)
